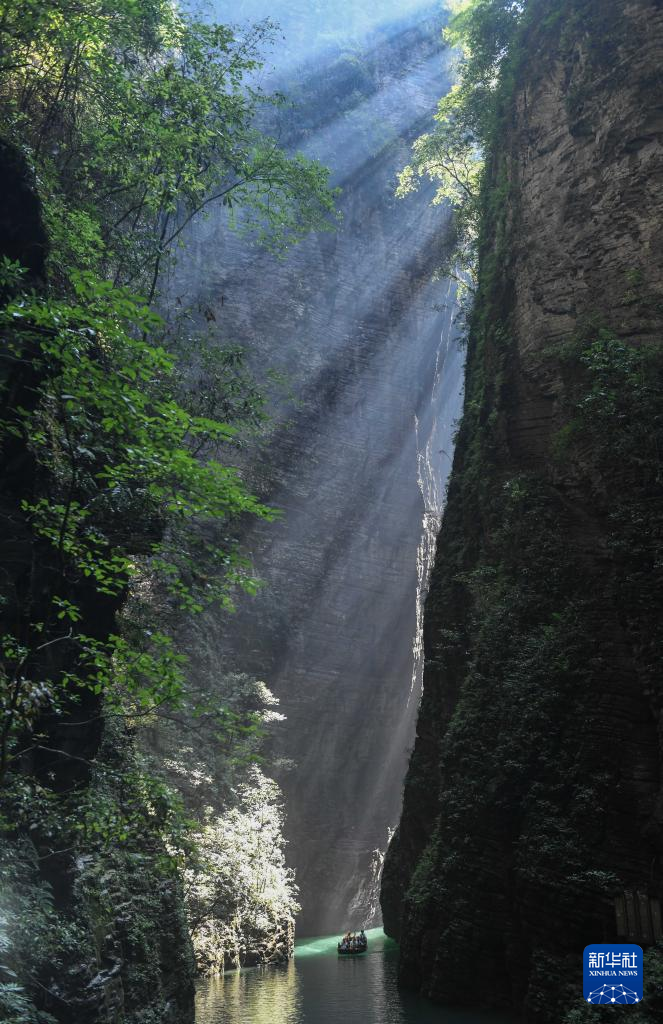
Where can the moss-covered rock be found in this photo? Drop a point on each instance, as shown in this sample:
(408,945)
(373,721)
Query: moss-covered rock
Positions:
(533,796)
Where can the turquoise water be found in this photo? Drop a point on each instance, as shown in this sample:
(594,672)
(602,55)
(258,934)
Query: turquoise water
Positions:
(319,987)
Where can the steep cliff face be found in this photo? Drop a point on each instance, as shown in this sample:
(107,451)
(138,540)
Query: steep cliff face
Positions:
(532,819)
(357,463)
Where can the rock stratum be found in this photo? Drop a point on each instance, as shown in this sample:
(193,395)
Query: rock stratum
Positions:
(532,821)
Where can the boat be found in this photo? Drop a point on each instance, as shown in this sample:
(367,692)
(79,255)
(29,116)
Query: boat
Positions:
(353,950)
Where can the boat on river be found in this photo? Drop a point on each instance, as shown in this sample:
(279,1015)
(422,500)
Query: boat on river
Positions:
(353,946)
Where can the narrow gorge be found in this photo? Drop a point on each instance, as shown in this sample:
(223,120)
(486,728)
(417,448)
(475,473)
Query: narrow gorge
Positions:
(331,577)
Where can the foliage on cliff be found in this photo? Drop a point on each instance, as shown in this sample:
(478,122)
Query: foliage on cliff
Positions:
(137,118)
(127,120)
(240,896)
(451,155)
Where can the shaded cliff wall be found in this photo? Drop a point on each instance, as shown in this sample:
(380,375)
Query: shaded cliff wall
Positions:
(533,797)
(357,461)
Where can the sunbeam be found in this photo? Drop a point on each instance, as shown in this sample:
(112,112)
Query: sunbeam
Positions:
(358,463)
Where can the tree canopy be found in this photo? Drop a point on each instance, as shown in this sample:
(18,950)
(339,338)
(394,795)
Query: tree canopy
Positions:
(137,117)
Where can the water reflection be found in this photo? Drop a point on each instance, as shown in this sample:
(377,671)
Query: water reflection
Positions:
(319,987)
(270,996)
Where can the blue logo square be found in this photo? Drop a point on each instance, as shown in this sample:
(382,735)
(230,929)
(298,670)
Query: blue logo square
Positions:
(612,973)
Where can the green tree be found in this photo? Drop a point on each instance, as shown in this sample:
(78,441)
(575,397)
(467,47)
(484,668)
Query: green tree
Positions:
(133,117)
(239,892)
(452,154)
(137,117)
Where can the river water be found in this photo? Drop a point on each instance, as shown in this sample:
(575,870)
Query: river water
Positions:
(319,987)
